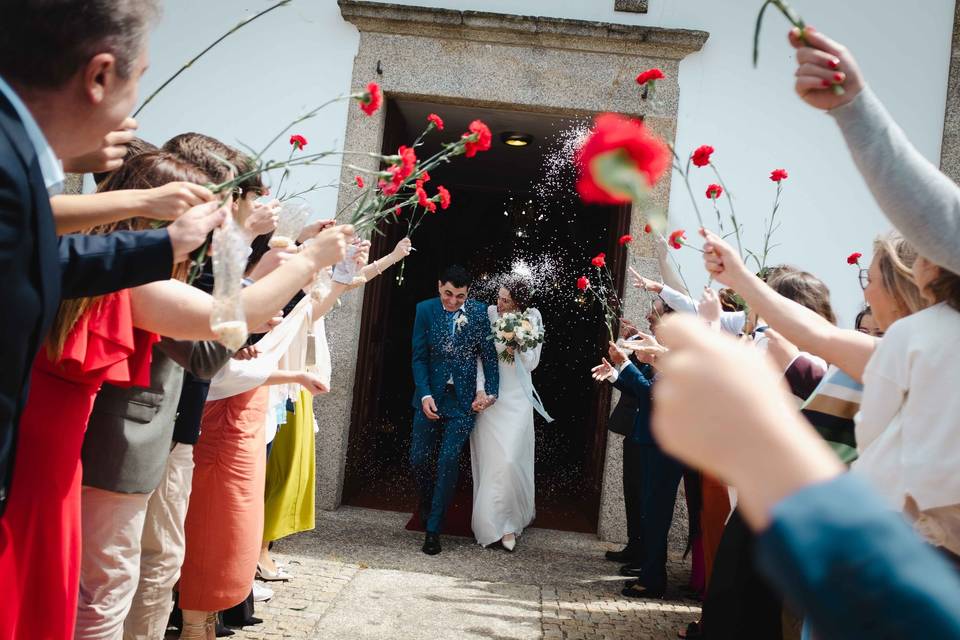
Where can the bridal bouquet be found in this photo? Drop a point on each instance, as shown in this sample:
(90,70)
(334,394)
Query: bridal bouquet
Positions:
(516,330)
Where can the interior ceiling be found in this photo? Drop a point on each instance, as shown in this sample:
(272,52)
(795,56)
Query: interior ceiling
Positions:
(502,168)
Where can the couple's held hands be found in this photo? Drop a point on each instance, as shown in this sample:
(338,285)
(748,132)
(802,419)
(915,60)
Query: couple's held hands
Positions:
(482,402)
(723,408)
(822,64)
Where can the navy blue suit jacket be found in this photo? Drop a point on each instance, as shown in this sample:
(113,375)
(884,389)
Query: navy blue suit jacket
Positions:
(638,382)
(439,354)
(37,269)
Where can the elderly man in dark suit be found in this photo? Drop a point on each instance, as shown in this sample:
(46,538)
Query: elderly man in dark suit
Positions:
(69,71)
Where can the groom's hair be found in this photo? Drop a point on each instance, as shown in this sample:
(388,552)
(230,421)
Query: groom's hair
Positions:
(455,275)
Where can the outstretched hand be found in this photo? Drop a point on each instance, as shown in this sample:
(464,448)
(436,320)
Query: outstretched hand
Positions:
(709,309)
(603,371)
(822,63)
(641,282)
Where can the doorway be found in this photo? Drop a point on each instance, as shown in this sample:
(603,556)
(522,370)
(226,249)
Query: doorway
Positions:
(503,217)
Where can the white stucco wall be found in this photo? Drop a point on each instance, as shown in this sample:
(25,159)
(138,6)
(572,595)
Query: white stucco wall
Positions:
(298,56)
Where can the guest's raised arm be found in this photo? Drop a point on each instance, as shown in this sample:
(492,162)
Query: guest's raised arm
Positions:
(920,201)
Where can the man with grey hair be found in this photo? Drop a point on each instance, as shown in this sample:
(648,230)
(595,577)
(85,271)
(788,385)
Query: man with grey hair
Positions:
(69,73)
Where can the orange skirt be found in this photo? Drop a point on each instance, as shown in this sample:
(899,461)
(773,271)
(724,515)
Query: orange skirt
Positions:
(713,519)
(224,525)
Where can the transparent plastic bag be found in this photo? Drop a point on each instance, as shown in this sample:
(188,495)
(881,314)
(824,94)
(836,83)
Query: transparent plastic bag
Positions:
(291,221)
(346,271)
(227,319)
(321,286)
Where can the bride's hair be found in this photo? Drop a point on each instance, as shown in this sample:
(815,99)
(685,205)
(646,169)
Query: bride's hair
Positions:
(519,291)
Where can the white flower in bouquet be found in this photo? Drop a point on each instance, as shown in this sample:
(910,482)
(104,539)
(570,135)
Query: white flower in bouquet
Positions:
(516,331)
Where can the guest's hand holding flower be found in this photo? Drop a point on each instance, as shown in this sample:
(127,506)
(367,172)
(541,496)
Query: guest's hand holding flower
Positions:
(640,282)
(821,64)
(263,217)
(722,261)
(172,200)
(110,155)
(314,228)
(403,248)
(617,355)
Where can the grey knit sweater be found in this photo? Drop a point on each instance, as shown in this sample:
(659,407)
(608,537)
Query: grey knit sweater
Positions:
(921,202)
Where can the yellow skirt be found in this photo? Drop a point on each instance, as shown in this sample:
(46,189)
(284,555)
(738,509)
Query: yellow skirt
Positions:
(291,475)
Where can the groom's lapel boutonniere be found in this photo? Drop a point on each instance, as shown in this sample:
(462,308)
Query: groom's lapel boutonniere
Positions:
(460,321)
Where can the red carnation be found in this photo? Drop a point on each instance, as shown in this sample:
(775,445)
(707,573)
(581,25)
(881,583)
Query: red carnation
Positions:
(701,156)
(778,174)
(650,75)
(626,239)
(436,121)
(478,138)
(854,258)
(583,282)
(444,197)
(372,99)
(714,191)
(600,260)
(390,188)
(422,199)
(634,144)
(425,176)
(359,180)
(298,141)
(676,238)
(647,228)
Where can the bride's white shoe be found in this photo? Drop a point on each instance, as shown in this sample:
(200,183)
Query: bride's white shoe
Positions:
(509,542)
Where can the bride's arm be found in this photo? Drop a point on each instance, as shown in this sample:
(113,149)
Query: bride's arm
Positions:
(531,357)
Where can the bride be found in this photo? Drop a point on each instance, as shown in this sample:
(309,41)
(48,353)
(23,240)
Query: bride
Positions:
(501,445)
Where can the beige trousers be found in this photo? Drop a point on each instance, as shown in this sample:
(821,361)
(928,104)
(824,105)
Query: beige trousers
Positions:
(110,561)
(162,549)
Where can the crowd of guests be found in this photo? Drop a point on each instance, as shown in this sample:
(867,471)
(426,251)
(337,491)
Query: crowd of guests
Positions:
(142,460)
(821,462)
(133,445)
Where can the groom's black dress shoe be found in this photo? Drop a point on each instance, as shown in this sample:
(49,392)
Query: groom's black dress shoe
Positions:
(624,556)
(431,544)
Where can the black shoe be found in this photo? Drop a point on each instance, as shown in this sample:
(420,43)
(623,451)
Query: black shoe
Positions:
(633,589)
(431,544)
(630,570)
(624,556)
(222,630)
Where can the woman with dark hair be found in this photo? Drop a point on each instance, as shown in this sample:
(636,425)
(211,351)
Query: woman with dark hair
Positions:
(502,442)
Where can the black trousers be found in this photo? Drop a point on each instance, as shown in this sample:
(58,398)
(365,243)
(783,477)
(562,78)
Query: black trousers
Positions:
(739,603)
(651,480)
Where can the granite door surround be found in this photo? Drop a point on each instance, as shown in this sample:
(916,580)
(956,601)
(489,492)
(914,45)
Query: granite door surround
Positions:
(524,63)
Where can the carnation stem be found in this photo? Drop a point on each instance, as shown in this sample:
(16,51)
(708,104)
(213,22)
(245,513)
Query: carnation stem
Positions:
(686,181)
(771,228)
(236,28)
(733,213)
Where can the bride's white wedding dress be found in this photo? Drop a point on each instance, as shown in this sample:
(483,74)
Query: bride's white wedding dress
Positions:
(501,452)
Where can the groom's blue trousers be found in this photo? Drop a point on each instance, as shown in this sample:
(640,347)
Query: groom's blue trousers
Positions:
(452,432)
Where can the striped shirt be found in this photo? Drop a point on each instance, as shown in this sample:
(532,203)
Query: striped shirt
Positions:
(830,406)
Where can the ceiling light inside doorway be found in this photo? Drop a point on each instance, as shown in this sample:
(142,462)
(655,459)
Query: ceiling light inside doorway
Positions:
(516,138)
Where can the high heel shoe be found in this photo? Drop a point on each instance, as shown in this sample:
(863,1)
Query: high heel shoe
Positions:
(280,575)
(509,544)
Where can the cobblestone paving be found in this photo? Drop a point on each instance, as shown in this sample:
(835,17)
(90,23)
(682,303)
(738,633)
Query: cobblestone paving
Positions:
(360,576)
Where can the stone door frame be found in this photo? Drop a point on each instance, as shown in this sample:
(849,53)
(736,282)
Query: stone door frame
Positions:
(506,61)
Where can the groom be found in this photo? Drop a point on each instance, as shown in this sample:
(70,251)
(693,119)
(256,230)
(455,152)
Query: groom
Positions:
(449,333)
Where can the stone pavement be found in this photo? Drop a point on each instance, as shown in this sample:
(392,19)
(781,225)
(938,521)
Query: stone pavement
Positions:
(360,575)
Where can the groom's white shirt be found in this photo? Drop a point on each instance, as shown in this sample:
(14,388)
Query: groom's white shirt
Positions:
(458,310)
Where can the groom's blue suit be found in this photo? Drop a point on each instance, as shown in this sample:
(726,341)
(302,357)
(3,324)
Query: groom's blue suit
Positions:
(445,354)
